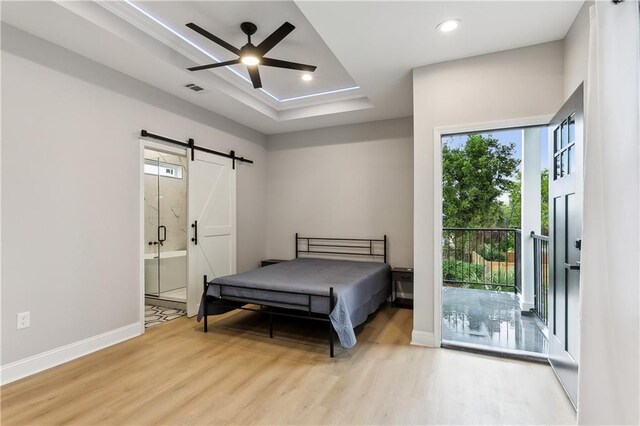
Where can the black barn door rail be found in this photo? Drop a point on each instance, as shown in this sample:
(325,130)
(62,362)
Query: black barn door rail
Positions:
(191,144)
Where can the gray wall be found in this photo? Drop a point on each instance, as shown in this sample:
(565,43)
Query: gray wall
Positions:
(71,194)
(346,181)
(513,84)
(576,51)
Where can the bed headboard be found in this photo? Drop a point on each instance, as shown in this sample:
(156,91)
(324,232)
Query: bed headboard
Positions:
(376,248)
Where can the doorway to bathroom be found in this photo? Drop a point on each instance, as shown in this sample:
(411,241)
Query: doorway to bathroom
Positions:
(165,228)
(187,225)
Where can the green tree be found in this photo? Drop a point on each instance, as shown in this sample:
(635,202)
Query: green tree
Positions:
(544,197)
(512,215)
(512,210)
(474,177)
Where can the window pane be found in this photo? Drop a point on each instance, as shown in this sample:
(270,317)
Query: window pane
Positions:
(572,129)
(156,168)
(556,173)
(565,134)
(572,159)
(564,168)
(150,169)
(556,139)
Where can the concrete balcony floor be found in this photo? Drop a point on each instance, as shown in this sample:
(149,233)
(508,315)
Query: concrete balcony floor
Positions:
(492,320)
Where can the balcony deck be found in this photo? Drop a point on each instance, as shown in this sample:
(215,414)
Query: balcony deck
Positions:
(490,319)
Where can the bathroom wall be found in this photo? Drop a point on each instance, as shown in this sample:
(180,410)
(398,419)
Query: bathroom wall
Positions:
(173,205)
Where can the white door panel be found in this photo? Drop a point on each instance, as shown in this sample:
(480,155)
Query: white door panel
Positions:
(212,205)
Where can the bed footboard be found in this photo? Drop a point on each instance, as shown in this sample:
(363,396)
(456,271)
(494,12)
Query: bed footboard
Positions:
(266,308)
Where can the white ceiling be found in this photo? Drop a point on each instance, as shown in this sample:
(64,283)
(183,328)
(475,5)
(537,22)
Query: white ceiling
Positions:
(373,45)
(223,20)
(379,43)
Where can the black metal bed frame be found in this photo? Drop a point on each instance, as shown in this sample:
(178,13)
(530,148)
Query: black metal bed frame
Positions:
(365,246)
(271,308)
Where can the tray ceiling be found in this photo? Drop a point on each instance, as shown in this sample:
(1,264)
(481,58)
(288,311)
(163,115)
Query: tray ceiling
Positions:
(166,21)
(366,47)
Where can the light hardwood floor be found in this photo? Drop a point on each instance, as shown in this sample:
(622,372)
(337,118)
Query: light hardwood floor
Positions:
(235,374)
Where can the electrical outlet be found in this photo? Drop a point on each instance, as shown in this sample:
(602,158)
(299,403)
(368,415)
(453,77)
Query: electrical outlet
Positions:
(24,320)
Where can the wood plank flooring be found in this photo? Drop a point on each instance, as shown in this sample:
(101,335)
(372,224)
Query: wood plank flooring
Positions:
(175,374)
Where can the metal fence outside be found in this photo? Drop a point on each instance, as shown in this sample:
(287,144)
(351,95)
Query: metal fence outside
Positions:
(541,276)
(482,258)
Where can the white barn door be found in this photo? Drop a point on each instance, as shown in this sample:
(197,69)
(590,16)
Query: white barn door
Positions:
(212,223)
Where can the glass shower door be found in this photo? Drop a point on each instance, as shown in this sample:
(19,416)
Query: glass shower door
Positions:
(151,223)
(172,227)
(165,204)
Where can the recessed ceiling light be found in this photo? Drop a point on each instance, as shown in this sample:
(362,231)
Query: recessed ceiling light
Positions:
(307,77)
(448,26)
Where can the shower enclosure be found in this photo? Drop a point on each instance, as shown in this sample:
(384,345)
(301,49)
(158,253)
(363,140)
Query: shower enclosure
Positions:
(165,228)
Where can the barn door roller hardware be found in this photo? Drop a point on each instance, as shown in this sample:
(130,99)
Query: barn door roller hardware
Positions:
(191,145)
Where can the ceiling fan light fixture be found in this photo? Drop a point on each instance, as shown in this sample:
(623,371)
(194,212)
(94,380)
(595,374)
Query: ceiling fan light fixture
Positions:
(251,55)
(250,60)
(448,26)
(307,77)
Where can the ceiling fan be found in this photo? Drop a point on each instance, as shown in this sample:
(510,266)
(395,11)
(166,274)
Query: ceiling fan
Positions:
(251,55)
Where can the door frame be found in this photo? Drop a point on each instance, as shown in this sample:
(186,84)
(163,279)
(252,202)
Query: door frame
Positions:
(141,240)
(438,132)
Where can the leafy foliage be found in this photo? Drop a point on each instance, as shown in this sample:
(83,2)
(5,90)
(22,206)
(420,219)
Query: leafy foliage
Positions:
(493,252)
(473,275)
(474,177)
(512,210)
(482,189)
(544,189)
(459,271)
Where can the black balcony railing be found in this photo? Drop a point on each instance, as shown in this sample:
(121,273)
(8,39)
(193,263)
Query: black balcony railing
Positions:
(541,276)
(482,258)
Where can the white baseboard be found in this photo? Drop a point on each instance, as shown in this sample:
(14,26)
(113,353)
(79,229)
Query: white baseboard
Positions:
(422,338)
(40,362)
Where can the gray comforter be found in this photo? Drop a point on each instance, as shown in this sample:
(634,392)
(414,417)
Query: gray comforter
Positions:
(360,288)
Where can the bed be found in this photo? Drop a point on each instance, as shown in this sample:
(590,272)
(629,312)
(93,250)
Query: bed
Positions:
(342,293)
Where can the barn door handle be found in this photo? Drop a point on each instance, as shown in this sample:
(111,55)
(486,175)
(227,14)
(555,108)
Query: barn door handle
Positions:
(194,225)
(573,267)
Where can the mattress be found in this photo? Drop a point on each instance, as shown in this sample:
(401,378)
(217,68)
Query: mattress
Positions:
(359,289)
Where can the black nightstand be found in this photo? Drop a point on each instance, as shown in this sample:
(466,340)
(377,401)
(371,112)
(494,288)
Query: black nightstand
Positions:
(268,262)
(404,275)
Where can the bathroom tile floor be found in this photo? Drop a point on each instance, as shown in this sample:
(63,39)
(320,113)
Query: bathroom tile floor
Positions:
(156,315)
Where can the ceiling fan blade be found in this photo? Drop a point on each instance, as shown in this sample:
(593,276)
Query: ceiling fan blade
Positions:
(213,38)
(275,38)
(286,64)
(219,64)
(255,76)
